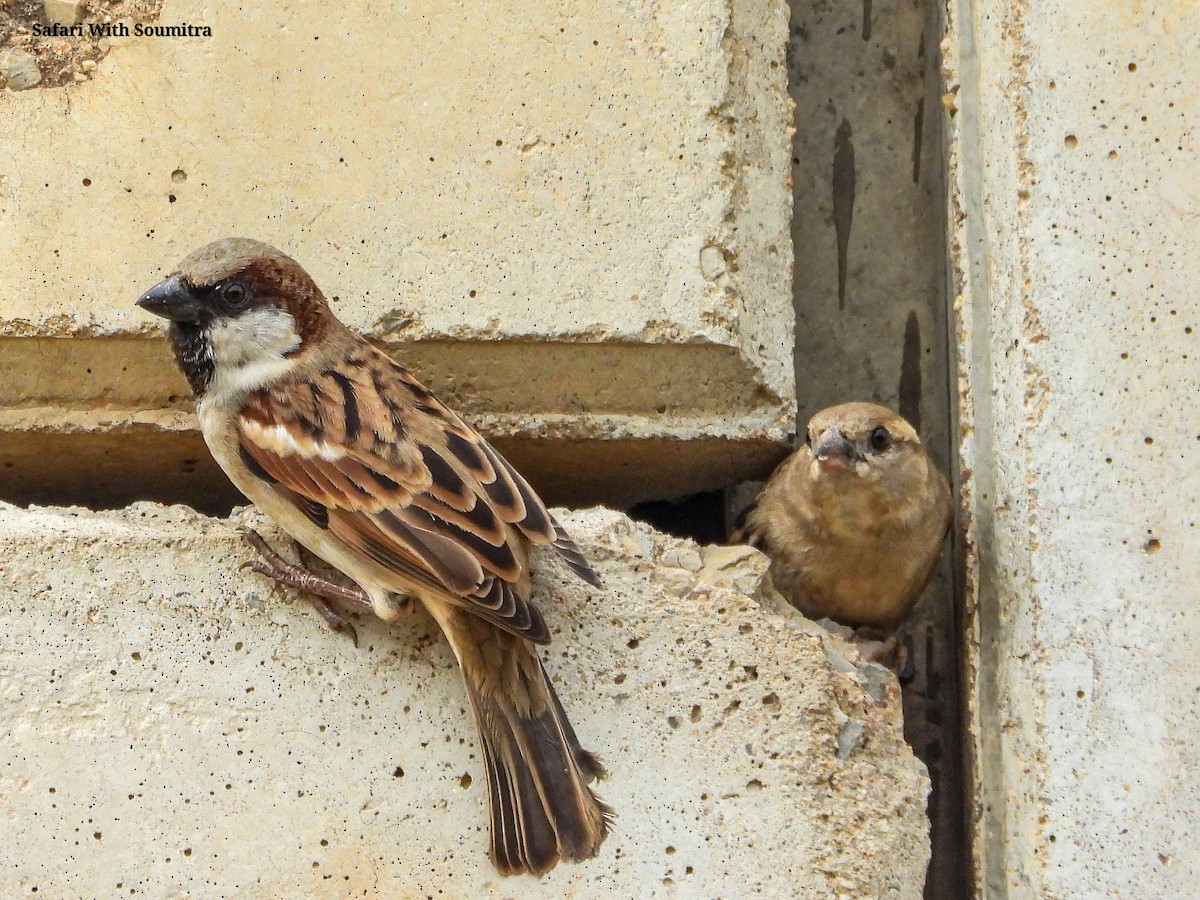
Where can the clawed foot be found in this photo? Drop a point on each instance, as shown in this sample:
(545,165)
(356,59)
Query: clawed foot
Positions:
(892,652)
(317,587)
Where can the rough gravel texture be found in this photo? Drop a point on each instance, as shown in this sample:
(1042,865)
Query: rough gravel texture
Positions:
(62,59)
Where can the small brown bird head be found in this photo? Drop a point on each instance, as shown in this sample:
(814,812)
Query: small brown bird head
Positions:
(853,521)
(241,312)
(868,454)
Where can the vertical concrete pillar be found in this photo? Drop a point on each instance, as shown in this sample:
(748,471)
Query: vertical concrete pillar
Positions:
(1074,222)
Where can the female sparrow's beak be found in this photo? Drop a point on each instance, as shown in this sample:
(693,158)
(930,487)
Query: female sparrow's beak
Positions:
(172,300)
(834,451)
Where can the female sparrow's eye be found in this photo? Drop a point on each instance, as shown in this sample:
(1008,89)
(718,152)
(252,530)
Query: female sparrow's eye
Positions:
(880,439)
(235,294)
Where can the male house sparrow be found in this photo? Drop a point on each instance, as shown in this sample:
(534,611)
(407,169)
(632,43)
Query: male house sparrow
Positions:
(356,460)
(853,521)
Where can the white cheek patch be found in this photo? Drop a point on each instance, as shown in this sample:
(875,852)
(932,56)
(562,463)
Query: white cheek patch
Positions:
(249,350)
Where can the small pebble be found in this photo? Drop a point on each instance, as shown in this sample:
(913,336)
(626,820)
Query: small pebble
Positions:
(19,68)
(63,12)
(848,738)
(686,558)
(741,568)
(676,581)
(712,263)
(88,66)
(875,681)
(836,658)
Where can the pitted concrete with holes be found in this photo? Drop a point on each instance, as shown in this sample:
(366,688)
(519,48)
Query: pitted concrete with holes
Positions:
(172,724)
(1075,226)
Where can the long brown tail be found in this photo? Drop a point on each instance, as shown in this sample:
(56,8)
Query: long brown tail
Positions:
(542,809)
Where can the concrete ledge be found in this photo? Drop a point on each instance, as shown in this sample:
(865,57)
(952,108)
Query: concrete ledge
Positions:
(114,459)
(571,416)
(172,724)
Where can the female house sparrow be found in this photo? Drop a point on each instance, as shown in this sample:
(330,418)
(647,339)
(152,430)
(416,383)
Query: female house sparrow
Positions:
(853,521)
(356,460)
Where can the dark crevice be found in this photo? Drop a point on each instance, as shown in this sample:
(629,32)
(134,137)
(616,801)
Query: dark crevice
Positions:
(890,336)
(700,517)
(843,201)
(909,389)
(112,470)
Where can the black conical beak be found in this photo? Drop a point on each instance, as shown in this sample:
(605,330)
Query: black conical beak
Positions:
(833,449)
(172,300)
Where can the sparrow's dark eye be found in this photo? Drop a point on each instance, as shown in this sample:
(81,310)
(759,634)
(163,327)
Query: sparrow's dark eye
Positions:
(235,294)
(881,439)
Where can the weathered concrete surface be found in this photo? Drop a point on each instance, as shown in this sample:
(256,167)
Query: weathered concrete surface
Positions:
(574,216)
(1075,224)
(868,196)
(174,726)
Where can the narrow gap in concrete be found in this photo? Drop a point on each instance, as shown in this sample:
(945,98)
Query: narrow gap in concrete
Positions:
(871,303)
(218,502)
(955,874)
(937,725)
(110,470)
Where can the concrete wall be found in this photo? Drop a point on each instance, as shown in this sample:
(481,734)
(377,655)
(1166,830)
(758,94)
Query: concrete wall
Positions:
(1074,224)
(570,220)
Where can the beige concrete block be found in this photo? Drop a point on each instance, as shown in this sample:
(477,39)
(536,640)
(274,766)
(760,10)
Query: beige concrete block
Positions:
(1074,230)
(173,725)
(571,220)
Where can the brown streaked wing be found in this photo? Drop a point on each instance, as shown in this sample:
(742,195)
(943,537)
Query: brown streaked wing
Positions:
(537,524)
(361,533)
(404,481)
